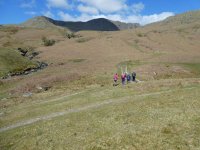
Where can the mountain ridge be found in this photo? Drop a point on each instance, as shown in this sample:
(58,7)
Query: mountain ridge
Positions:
(99,24)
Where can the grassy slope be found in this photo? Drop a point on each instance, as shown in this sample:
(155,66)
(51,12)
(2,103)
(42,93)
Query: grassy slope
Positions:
(12,61)
(158,121)
(145,50)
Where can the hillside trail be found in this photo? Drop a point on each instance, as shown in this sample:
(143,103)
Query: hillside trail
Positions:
(84,108)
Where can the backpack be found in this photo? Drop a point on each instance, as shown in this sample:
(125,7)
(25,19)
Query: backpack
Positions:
(128,77)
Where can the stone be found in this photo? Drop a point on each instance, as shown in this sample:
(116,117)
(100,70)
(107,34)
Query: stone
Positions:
(39,88)
(27,94)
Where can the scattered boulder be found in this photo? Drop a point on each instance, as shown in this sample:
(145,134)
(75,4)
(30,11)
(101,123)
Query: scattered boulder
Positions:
(23,52)
(46,88)
(39,88)
(42,65)
(28,52)
(27,94)
(33,54)
(42,88)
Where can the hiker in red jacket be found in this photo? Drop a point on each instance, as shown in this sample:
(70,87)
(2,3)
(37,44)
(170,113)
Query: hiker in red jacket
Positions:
(115,78)
(123,77)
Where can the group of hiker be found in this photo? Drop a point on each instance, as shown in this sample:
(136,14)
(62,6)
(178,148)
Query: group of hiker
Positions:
(125,78)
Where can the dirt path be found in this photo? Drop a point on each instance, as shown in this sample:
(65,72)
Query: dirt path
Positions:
(56,99)
(92,106)
(40,102)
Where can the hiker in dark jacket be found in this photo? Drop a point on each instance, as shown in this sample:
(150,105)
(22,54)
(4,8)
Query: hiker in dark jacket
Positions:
(133,76)
(128,77)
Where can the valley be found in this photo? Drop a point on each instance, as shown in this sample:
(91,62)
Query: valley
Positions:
(72,103)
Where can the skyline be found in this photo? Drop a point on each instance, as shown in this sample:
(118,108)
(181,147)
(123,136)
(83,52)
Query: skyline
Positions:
(137,11)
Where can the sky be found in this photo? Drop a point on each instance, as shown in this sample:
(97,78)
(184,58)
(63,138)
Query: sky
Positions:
(133,11)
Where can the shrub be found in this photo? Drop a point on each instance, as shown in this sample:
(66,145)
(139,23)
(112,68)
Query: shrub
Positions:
(48,42)
(82,40)
(70,35)
(139,34)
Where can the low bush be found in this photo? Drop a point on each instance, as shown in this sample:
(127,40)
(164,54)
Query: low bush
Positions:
(139,34)
(70,35)
(48,42)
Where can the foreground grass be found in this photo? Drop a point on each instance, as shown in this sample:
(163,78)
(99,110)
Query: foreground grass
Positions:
(169,120)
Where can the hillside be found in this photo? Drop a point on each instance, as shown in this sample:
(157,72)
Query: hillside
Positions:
(100,24)
(186,20)
(154,51)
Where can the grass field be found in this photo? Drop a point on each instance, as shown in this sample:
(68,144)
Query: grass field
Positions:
(150,115)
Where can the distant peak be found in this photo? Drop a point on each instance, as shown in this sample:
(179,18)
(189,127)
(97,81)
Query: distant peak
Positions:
(42,17)
(39,22)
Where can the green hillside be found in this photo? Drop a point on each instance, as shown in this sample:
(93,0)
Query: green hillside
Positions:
(12,62)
